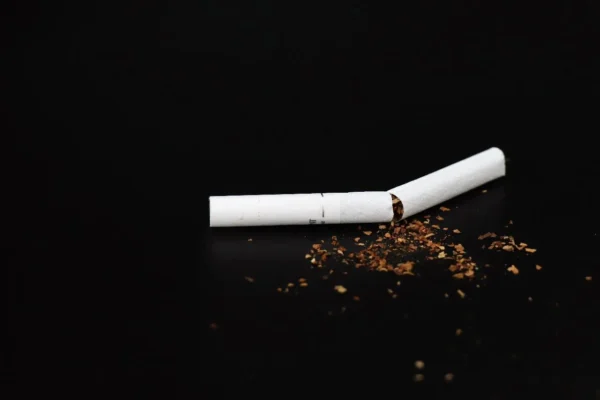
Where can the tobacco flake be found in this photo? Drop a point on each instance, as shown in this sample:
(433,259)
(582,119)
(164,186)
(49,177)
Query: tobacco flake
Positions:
(340,289)
(513,269)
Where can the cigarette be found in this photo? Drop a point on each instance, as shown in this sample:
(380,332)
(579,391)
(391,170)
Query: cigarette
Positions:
(358,207)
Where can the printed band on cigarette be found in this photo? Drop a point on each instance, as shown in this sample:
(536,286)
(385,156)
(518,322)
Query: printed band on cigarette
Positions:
(359,207)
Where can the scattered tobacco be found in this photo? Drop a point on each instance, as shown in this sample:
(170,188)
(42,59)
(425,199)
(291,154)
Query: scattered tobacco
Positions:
(505,243)
(393,246)
(398,247)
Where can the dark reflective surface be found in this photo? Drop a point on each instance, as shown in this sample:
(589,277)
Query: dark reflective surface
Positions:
(506,336)
(126,118)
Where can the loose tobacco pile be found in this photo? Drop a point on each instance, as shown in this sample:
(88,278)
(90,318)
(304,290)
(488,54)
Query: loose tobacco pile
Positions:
(393,245)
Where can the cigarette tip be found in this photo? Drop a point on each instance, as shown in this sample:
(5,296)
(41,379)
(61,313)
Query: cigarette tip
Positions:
(505,160)
(499,150)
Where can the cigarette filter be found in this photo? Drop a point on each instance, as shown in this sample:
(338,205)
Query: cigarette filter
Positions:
(358,207)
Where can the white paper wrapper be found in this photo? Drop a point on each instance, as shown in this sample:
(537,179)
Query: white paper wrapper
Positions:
(365,207)
(449,182)
(300,209)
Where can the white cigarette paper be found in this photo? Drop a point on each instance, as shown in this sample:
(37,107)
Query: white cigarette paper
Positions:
(300,209)
(358,207)
(449,182)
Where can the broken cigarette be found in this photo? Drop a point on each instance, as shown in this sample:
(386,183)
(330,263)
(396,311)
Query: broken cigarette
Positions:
(358,207)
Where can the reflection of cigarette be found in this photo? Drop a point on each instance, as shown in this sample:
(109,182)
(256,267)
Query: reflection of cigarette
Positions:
(358,207)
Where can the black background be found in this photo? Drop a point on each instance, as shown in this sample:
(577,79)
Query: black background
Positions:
(125,118)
